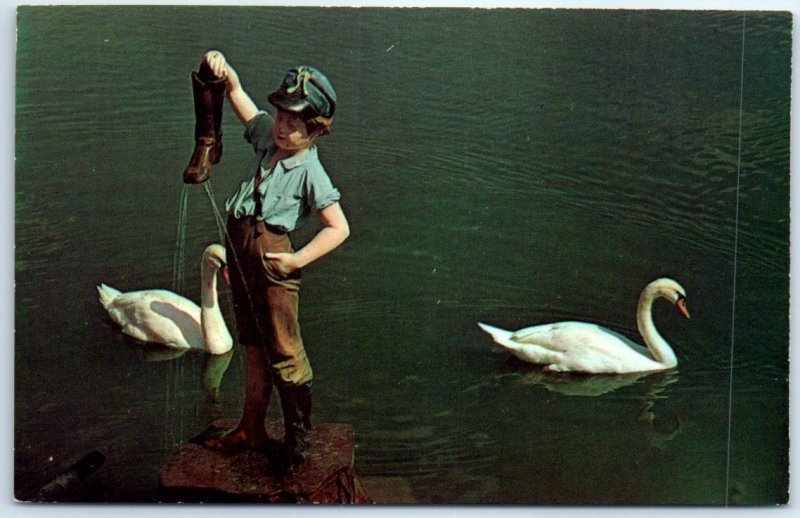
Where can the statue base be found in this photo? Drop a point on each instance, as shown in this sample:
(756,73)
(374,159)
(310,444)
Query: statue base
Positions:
(198,474)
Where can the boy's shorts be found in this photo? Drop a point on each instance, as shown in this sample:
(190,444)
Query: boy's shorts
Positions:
(265,303)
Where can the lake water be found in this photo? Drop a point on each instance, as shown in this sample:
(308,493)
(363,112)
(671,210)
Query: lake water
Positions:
(513,167)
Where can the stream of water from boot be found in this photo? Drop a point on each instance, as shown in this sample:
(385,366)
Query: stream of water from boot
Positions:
(172,436)
(179,259)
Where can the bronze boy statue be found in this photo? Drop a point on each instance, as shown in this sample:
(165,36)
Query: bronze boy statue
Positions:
(280,189)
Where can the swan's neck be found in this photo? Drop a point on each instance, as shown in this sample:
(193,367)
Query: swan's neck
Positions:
(659,348)
(215,332)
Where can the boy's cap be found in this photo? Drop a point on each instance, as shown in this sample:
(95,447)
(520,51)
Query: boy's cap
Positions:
(307,91)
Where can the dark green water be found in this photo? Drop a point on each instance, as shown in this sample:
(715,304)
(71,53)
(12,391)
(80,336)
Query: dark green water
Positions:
(513,167)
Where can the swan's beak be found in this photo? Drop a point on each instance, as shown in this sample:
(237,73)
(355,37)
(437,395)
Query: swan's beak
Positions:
(682,307)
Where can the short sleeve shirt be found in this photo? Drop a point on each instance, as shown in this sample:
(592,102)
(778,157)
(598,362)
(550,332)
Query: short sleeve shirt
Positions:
(295,187)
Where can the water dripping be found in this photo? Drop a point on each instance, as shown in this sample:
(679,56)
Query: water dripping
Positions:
(179,260)
(215,210)
(173,414)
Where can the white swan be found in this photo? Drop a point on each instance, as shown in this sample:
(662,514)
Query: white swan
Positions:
(584,347)
(167,318)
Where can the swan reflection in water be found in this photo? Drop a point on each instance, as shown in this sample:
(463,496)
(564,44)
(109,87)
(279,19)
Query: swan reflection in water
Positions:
(593,385)
(584,359)
(211,374)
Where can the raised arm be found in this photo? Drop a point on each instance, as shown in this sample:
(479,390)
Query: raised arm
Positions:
(242,104)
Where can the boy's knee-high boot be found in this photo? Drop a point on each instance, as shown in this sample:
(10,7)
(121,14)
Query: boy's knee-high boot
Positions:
(209,95)
(296,405)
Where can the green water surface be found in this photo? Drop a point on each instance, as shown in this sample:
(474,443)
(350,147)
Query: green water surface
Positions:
(513,167)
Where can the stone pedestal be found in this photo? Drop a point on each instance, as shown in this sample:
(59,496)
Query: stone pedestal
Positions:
(199,474)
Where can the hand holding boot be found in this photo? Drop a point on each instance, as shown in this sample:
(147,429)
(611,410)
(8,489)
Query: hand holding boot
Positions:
(219,66)
(209,94)
(243,106)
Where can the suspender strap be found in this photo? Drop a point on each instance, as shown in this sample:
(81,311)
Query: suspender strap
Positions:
(256,182)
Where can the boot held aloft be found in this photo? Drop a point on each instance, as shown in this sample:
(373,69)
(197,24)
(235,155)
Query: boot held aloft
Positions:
(209,95)
(296,406)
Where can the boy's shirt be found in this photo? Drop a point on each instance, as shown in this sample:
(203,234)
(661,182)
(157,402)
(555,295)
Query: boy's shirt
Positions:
(296,187)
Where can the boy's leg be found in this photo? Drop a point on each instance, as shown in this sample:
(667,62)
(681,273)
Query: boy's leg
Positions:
(250,432)
(250,306)
(291,370)
(257,391)
(296,406)
(290,365)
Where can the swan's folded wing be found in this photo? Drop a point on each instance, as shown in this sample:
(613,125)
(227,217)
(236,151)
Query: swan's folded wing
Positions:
(565,336)
(158,316)
(558,336)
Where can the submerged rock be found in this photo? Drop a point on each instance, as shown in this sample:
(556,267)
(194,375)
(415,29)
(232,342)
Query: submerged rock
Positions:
(61,487)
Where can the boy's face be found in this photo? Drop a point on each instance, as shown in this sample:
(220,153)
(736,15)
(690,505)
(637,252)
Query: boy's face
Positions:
(289,132)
